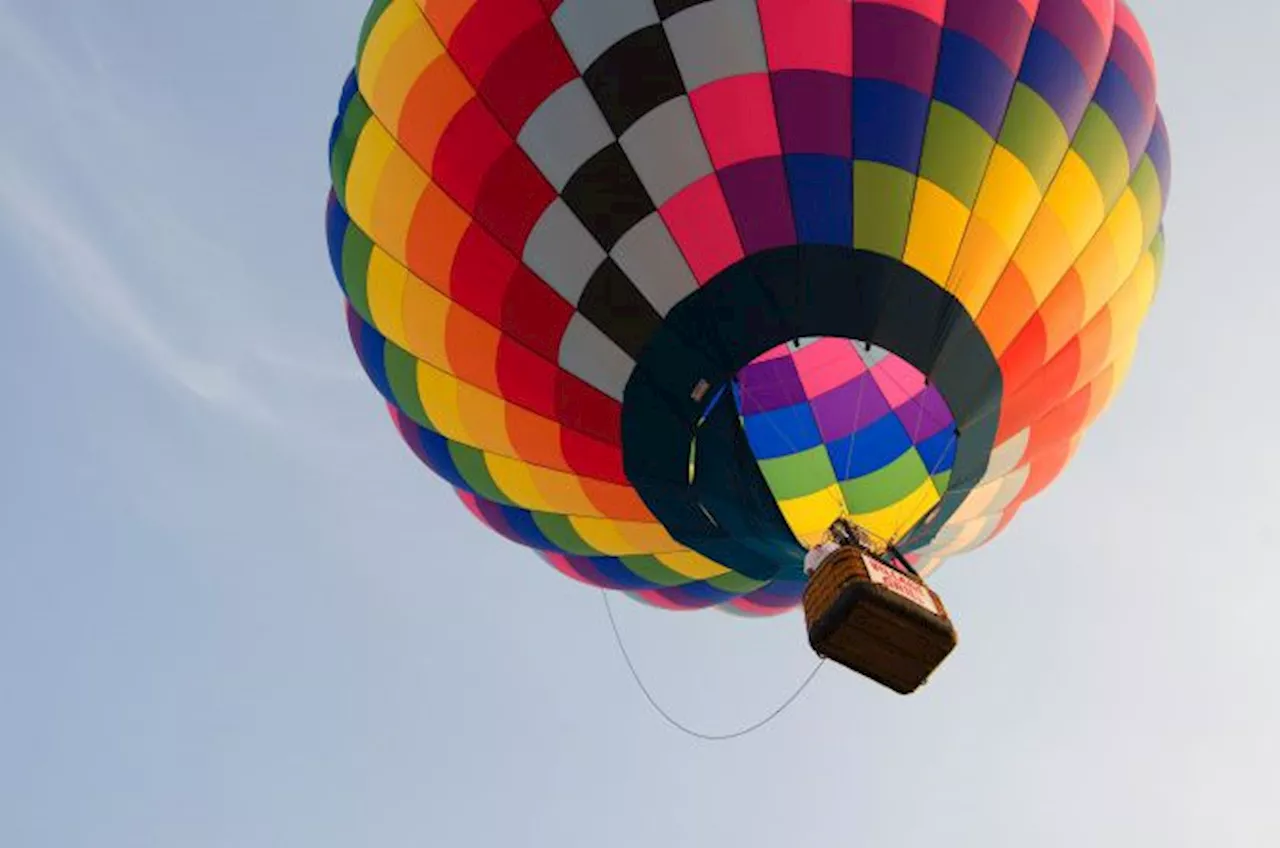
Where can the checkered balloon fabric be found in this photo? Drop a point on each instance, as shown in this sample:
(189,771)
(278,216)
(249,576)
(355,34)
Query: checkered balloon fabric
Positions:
(662,287)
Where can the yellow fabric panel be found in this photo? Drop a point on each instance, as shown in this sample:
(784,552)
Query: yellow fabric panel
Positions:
(483,416)
(1100,272)
(395,21)
(1127,306)
(1125,227)
(565,490)
(1076,198)
(402,57)
(1044,255)
(887,523)
(1009,196)
(386,280)
(813,513)
(399,190)
(539,489)
(463,413)
(1125,291)
(937,225)
(1006,205)
(384,188)
(692,565)
(515,480)
(618,538)
(426,315)
(1131,303)
(373,148)
(438,394)
(982,259)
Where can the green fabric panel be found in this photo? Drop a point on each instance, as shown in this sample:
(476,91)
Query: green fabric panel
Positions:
(735,583)
(344,146)
(942,481)
(1033,132)
(402,374)
(887,486)
(559,531)
(472,467)
(370,19)
(1102,148)
(1146,188)
(798,474)
(651,569)
(1157,254)
(357,251)
(956,152)
(881,207)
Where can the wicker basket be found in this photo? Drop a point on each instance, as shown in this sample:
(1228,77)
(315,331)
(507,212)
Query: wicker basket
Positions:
(878,621)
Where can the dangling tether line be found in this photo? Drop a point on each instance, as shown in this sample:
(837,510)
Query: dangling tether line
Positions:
(617,635)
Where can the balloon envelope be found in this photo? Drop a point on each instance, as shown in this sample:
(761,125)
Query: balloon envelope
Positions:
(661,287)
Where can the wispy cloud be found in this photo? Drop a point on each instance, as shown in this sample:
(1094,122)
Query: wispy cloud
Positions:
(87,280)
(84,195)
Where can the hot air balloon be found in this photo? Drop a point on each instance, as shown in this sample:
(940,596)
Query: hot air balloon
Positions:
(674,292)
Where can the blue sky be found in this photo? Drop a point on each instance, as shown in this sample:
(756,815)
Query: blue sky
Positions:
(235,612)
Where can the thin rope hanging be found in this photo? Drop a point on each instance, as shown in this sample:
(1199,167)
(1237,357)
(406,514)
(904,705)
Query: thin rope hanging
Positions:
(707,737)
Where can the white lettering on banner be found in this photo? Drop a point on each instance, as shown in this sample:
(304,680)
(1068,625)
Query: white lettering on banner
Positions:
(900,584)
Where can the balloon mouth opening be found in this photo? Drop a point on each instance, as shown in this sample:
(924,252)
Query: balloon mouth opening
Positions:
(843,428)
(751,509)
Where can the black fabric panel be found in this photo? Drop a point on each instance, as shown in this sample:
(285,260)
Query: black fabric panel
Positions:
(977,394)
(765,300)
(654,432)
(634,77)
(667,8)
(739,314)
(665,480)
(612,302)
(607,195)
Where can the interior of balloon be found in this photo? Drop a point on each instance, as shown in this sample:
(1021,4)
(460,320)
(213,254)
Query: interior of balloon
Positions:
(843,428)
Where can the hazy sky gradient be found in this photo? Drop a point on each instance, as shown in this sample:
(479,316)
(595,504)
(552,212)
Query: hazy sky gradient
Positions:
(236,613)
